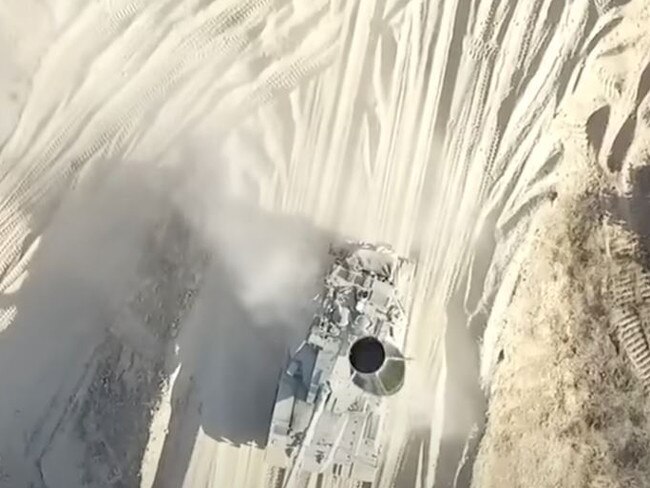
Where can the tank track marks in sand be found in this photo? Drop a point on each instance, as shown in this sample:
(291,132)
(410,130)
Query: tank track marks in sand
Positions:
(104,122)
(173,267)
(634,341)
(274,477)
(362,484)
(630,313)
(111,413)
(111,410)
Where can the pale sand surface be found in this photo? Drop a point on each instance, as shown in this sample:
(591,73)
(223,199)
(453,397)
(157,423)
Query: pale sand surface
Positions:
(170,172)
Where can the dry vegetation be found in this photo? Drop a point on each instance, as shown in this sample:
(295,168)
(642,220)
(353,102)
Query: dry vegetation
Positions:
(566,408)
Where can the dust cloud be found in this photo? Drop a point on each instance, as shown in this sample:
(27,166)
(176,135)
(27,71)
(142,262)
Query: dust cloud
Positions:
(80,275)
(255,304)
(273,261)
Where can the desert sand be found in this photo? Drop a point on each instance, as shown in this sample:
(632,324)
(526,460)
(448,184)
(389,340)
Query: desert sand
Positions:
(171,173)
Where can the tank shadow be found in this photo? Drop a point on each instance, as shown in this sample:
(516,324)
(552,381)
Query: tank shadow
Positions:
(253,310)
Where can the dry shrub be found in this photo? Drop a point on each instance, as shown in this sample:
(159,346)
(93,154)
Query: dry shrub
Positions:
(566,409)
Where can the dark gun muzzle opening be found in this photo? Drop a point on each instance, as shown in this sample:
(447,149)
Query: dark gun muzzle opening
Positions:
(367,355)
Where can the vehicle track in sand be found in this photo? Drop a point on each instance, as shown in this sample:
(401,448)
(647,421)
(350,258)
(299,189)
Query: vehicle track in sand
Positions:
(419,123)
(447,149)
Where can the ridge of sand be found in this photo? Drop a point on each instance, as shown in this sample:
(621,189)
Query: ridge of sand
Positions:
(571,366)
(440,127)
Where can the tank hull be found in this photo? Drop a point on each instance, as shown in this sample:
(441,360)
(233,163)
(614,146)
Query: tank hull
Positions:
(330,407)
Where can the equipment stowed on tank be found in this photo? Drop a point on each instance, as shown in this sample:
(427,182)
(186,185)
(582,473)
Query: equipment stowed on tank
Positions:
(330,404)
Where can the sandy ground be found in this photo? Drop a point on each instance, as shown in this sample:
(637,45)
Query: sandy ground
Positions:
(573,348)
(170,174)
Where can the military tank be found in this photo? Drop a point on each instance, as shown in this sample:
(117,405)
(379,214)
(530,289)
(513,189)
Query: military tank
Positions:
(330,407)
